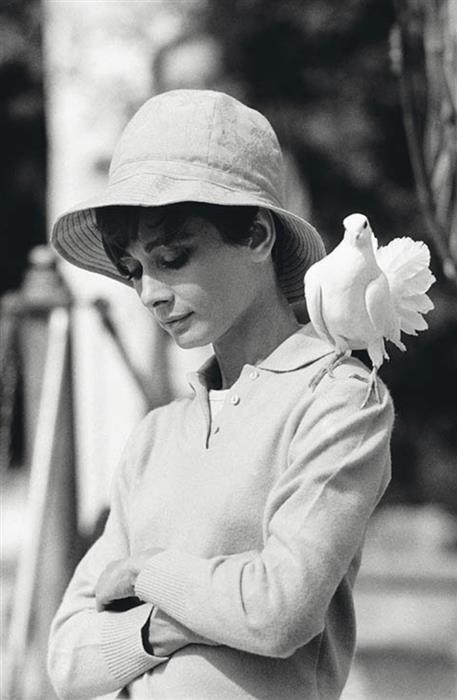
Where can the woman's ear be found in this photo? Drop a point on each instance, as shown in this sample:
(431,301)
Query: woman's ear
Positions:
(262,235)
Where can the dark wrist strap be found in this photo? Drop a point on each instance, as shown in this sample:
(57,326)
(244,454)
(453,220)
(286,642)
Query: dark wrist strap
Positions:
(145,638)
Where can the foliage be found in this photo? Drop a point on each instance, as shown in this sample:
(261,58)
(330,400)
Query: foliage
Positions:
(320,70)
(425,50)
(22,137)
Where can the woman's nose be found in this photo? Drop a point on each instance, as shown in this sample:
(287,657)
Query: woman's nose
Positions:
(152,292)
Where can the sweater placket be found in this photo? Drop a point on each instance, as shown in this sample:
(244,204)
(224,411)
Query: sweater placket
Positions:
(235,398)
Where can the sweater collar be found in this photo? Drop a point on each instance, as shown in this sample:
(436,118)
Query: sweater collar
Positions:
(298,350)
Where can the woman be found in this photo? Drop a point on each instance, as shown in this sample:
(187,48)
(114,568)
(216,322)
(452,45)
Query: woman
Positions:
(227,564)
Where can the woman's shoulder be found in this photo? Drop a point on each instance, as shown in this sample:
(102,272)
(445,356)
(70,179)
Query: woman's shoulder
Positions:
(353,374)
(347,390)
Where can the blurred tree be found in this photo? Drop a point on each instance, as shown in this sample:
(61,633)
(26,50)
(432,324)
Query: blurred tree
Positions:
(22,137)
(424,48)
(424,52)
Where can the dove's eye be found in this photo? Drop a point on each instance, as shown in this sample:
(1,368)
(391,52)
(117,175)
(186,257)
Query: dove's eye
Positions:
(365,224)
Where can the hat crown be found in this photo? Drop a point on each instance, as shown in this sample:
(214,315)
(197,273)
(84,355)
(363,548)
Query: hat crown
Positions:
(207,129)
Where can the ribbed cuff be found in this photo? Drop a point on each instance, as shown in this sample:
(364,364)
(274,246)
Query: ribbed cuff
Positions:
(122,644)
(170,579)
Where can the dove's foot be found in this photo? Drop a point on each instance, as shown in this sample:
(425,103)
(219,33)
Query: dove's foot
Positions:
(316,378)
(328,369)
(372,387)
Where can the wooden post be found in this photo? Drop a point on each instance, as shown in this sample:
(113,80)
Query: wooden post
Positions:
(42,290)
(50,545)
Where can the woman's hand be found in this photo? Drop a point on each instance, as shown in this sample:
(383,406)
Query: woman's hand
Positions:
(117,581)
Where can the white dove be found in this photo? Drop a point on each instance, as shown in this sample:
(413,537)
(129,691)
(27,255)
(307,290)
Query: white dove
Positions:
(360,294)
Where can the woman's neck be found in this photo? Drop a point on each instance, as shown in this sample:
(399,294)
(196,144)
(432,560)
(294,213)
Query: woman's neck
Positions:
(265,326)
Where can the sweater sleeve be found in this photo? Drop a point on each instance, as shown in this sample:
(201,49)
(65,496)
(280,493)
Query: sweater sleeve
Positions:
(273,601)
(93,653)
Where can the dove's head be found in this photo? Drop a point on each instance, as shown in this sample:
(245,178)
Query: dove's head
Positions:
(357,231)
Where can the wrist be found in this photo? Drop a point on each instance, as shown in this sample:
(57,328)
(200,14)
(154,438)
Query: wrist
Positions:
(138,561)
(147,646)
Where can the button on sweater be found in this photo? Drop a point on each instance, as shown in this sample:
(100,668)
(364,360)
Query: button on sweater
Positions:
(261,523)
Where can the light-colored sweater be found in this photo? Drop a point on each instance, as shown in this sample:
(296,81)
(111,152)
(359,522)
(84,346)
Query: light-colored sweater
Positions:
(261,513)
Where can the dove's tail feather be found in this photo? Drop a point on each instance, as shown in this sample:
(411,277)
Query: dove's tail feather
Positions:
(405,263)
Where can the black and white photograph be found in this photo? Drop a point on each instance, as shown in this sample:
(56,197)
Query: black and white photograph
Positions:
(228,349)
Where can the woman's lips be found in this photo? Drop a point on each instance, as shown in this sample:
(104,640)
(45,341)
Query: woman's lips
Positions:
(176,321)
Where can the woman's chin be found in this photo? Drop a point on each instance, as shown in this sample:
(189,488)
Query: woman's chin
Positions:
(190,340)
(188,343)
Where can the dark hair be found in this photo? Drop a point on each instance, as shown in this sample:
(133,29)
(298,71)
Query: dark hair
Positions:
(118,224)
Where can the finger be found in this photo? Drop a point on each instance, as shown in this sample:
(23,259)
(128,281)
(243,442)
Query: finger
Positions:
(101,601)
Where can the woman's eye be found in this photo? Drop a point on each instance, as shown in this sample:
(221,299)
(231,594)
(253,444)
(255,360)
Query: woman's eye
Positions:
(130,269)
(173,259)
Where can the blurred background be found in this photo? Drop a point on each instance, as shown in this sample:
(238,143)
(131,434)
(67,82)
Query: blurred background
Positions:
(363,96)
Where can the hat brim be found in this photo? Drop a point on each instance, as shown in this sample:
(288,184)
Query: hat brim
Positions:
(77,238)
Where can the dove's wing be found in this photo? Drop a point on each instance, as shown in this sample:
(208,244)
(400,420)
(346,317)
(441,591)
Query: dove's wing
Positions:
(405,263)
(382,316)
(379,306)
(313,295)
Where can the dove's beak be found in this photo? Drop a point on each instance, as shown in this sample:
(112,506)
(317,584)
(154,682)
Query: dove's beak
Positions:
(355,235)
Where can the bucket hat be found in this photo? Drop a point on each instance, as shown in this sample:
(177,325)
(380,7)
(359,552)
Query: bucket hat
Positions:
(200,146)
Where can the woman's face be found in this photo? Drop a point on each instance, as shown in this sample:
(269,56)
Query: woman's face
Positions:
(197,287)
